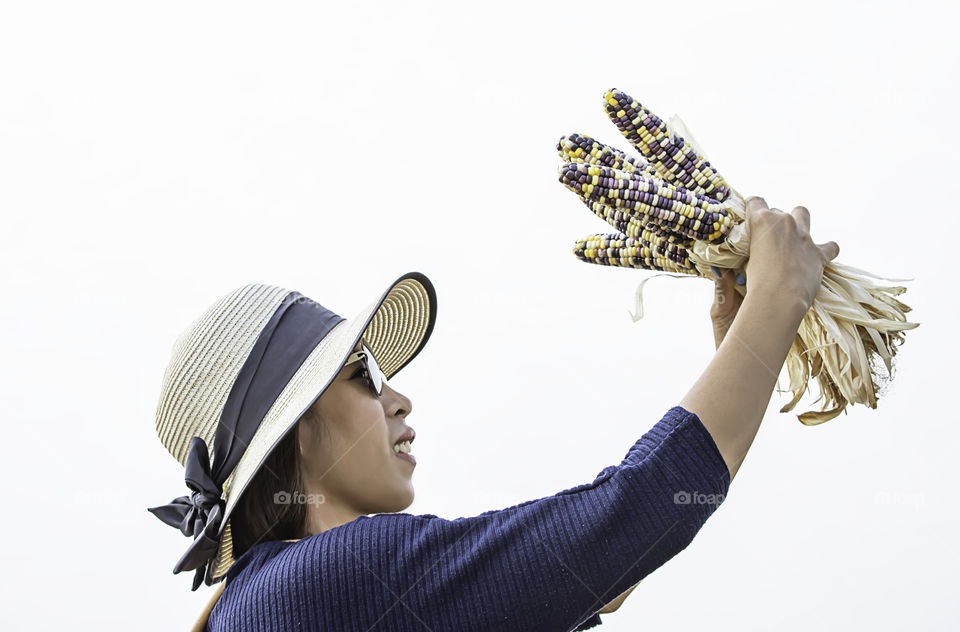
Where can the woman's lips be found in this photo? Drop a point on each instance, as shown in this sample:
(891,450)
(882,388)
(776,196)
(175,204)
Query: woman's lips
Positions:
(407,457)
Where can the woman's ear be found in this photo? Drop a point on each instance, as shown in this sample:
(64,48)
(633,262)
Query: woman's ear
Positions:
(304,436)
(311,430)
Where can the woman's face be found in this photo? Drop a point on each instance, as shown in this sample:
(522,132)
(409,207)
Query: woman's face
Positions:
(346,448)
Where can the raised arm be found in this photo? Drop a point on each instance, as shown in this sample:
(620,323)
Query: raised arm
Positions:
(783,275)
(732,394)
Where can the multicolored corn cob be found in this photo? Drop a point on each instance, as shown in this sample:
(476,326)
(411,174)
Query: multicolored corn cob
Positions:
(651,248)
(579,148)
(675,213)
(674,159)
(648,198)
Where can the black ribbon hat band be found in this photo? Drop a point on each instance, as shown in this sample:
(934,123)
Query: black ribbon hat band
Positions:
(292,333)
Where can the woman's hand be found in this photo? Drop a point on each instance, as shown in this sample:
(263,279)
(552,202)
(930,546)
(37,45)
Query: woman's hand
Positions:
(784,260)
(782,275)
(726,302)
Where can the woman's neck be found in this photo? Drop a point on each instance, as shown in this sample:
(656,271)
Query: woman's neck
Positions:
(327,514)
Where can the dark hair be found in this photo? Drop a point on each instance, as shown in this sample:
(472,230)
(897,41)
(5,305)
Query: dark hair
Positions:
(261,514)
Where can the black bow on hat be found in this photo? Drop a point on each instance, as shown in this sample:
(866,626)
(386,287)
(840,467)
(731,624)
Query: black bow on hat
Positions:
(295,329)
(198,515)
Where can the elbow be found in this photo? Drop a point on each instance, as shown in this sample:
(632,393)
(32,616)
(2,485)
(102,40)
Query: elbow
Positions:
(615,603)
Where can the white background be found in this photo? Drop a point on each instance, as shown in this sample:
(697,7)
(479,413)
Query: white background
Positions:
(155,156)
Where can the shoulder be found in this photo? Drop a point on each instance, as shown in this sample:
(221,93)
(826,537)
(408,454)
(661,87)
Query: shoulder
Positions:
(333,549)
(319,564)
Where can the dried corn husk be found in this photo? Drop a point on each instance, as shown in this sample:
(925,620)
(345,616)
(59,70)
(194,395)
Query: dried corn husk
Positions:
(848,338)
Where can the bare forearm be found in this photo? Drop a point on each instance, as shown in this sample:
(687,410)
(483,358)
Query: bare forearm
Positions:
(732,394)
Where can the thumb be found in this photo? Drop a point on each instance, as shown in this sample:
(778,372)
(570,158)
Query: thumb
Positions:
(723,293)
(724,282)
(830,250)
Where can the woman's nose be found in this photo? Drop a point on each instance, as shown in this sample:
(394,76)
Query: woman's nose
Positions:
(396,402)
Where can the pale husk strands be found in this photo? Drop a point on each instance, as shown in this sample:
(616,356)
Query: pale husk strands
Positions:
(847,339)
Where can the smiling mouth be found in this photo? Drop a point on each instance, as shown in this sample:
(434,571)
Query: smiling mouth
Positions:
(402,450)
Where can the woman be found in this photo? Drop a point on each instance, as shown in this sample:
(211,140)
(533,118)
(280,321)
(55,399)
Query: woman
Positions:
(299,510)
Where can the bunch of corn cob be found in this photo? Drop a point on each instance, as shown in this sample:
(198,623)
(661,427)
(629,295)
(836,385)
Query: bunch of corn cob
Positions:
(675,213)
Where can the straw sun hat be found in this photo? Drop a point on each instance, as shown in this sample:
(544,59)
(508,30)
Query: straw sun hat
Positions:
(242,375)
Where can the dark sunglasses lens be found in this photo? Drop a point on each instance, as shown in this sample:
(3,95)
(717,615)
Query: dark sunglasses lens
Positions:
(376,375)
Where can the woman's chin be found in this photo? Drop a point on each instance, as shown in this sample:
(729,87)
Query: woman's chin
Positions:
(403,497)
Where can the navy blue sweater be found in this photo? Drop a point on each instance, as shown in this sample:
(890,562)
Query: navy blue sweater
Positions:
(546,564)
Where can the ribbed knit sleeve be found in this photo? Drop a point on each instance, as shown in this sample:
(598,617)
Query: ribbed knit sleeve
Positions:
(546,564)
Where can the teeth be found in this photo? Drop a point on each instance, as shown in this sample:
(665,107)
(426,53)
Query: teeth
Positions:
(403,446)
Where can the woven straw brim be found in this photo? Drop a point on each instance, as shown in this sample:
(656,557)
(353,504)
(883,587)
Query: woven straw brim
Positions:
(394,328)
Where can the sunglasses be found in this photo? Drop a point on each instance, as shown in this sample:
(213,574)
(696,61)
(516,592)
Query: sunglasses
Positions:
(372,373)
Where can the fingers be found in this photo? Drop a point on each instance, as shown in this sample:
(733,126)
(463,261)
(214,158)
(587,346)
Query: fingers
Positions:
(802,215)
(723,291)
(830,250)
(726,283)
(756,205)
(755,202)
(725,279)
(726,300)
